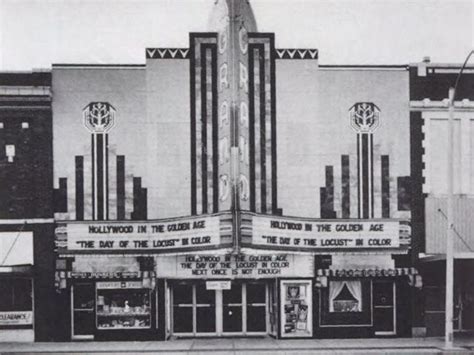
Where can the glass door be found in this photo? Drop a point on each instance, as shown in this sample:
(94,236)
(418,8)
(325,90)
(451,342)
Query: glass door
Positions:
(183,308)
(256,307)
(205,309)
(83,317)
(199,311)
(232,309)
(194,309)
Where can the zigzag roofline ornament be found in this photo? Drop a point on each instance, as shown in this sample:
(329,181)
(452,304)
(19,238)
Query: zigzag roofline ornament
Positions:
(279,53)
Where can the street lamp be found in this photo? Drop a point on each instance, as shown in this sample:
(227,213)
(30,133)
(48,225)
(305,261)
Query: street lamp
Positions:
(449,232)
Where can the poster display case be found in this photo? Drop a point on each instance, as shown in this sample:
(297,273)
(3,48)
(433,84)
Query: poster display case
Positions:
(122,305)
(296,308)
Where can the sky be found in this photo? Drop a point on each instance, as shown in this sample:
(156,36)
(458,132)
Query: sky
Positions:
(37,33)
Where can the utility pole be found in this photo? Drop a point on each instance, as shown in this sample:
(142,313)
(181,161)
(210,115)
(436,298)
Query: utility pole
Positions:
(449,235)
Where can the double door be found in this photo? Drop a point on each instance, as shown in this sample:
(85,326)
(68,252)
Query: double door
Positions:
(241,310)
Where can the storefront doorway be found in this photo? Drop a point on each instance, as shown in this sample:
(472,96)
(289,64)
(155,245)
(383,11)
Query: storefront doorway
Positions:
(464,296)
(83,318)
(242,309)
(384,300)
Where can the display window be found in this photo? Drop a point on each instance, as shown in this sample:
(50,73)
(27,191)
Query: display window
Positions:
(346,302)
(345,296)
(15,295)
(296,308)
(122,305)
(16,302)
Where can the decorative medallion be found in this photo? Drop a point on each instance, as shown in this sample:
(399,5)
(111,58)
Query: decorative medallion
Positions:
(244,114)
(224,82)
(243,150)
(244,187)
(244,77)
(224,114)
(99,117)
(224,150)
(222,41)
(243,40)
(224,187)
(364,117)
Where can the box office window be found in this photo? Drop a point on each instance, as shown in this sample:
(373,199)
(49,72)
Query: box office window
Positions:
(346,302)
(15,295)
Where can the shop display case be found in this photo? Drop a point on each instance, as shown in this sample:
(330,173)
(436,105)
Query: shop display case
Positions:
(296,308)
(122,305)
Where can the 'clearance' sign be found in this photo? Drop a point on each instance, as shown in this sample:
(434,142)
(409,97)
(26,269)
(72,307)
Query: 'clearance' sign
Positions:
(338,234)
(16,318)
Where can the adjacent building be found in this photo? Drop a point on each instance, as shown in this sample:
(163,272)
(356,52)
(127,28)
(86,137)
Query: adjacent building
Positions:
(26,200)
(429,85)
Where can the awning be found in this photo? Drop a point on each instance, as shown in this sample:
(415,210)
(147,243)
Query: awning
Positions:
(372,272)
(16,270)
(148,277)
(109,275)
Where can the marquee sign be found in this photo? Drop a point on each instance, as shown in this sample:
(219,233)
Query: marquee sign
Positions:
(184,233)
(235,266)
(292,233)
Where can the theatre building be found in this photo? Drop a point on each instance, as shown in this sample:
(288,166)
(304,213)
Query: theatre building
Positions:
(232,188)
(429,85)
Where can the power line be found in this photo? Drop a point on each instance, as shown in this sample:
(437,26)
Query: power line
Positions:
(455,231)
(13,244)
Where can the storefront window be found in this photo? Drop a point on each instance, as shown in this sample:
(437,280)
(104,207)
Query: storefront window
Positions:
(296,298)
(15,302)
(15,295)
(123,305)
(345,296)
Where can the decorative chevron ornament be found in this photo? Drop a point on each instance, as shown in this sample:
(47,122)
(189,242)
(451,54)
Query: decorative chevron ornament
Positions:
(290,53)
(167,53)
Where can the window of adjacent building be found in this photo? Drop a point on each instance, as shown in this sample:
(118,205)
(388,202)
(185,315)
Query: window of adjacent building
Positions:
(345,296)
(10,152)
(16,248)
(15,295)
(435,144)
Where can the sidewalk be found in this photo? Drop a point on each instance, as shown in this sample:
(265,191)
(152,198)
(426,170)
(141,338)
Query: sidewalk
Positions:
(250,345)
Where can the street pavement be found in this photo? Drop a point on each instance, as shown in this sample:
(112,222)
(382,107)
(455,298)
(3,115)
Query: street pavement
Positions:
(254,346)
